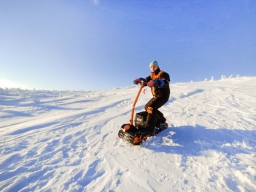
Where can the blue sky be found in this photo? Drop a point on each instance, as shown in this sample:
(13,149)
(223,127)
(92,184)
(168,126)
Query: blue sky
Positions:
(95,45)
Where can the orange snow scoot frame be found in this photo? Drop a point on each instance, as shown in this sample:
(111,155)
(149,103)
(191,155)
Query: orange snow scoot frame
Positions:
(127,127)
(136,134)
(128,131)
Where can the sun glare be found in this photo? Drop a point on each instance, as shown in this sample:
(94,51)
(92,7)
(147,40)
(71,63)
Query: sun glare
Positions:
(4,83)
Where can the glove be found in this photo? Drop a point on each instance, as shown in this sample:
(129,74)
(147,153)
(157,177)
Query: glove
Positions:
(138,80)
(157,83)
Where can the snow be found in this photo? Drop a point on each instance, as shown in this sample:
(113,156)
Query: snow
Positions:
(67,140)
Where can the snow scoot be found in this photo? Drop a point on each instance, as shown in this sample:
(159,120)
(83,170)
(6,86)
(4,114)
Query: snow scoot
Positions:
(135,134)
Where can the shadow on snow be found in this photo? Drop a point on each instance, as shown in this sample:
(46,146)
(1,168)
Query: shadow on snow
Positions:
(193,141)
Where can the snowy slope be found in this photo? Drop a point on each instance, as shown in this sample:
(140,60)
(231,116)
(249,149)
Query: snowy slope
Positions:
(67,141)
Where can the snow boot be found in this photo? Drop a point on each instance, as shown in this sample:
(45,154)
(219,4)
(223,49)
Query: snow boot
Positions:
(150,123)
(160,117)
(161,121)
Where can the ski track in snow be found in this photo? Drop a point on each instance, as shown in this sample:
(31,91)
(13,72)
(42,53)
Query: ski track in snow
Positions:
(67,141)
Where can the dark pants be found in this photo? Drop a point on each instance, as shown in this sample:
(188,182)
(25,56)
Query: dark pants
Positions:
(153,113)
(156,103)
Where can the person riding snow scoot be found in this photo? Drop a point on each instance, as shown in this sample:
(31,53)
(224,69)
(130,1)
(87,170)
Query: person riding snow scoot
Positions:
(151,121)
